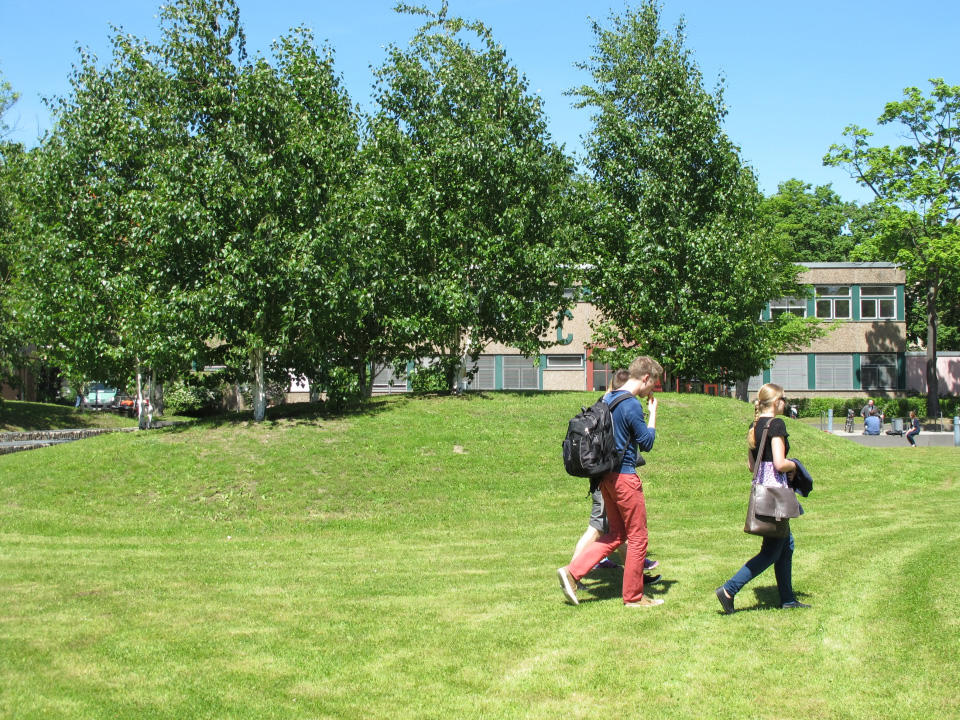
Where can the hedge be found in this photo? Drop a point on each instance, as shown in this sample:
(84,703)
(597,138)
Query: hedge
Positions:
(890,407)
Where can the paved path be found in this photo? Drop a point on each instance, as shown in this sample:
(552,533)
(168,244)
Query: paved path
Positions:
(11,442)
(925,439)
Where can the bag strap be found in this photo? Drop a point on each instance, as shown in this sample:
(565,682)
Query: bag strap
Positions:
(758,458)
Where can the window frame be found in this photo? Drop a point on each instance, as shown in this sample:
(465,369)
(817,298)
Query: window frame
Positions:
(830,294)
(877,300)
(788,305)
(514,363)
(552,360)
(833,367)
(868,362)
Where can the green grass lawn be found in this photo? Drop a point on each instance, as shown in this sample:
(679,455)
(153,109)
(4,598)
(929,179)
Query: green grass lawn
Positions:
(400,562)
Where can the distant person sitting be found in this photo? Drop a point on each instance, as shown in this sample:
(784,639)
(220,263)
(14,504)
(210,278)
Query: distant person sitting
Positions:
(914,429)
(871,424)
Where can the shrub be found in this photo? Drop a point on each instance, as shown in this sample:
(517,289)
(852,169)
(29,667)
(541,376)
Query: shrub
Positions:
(428,379)
(196,394)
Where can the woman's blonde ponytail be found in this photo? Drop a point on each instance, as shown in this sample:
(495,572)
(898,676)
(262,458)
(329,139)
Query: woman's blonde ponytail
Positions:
(767,397)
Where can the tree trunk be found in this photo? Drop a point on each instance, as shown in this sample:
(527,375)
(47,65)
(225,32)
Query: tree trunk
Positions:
(933,385)
(259,385)
(364,379)
(142,422)
(157,399)
(742,393)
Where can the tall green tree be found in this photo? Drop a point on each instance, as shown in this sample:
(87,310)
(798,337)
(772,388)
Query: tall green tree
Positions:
(269,150)
(200,184)
(11,344)
(917,186)
(813,222)
(99,305)
(467,192)
(681,267)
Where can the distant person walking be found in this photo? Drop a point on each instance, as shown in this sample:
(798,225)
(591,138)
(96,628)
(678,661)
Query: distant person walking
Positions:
(623,491)
(914,429)
(774,472)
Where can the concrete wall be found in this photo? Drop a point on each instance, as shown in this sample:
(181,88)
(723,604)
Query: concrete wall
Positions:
(852,274)
(874,336)
(948,373)
(574,330)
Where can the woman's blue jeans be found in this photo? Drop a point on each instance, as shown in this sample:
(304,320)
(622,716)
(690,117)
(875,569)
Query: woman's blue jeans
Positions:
(774,551)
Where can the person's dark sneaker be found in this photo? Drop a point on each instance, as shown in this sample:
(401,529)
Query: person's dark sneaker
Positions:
(605,564)
(649,564)
(726,602)
(651,579)
(794,604)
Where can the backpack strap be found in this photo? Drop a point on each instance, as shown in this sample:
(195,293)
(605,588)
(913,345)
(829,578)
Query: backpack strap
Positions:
(619,400)
(612,405)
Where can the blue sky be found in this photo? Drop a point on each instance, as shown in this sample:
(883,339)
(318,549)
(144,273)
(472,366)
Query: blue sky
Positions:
(796,73)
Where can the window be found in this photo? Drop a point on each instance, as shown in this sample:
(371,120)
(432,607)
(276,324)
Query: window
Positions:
(386,381)
(834,372)
(519,373)
(790,372)
(602,375)
(878,302)
(878,370)
(485,376)
(833,301)
(564,362)
(794,306)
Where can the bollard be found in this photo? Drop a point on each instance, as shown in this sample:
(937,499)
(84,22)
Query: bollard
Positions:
(956,430)
(830,420)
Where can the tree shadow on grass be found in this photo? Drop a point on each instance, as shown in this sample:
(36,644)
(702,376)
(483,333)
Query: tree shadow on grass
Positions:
(309,413)
(17,416)
(304,413)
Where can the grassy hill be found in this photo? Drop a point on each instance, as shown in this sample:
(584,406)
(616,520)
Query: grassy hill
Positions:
(399,563)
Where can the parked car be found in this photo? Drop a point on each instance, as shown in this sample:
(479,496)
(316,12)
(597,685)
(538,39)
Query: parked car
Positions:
(100,396)
(125,405)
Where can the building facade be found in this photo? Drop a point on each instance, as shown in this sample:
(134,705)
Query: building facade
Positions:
(865,352)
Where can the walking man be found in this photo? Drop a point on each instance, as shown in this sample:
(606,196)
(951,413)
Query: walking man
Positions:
(623,491)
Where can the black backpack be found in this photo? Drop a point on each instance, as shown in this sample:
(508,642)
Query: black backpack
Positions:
(589,449)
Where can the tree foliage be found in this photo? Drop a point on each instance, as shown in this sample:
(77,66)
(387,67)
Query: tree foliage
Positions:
(200,186)
(681,267)
(812,223)
(465,194)
(11,343)
(917,186)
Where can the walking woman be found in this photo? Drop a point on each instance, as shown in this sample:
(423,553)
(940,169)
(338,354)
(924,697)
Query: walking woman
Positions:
(775,471)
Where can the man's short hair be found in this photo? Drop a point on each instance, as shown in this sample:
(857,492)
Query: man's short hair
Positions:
(645,365)
(619,378)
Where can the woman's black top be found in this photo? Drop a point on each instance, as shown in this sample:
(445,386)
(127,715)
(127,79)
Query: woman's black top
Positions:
(778,428)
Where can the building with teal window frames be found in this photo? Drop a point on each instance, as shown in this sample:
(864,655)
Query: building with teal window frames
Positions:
(865,354)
